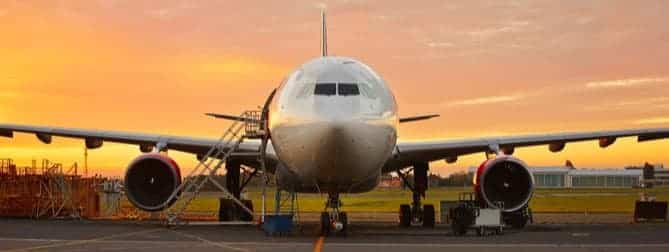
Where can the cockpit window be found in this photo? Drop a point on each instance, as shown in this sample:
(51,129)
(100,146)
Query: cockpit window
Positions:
(327,89)
(346,89)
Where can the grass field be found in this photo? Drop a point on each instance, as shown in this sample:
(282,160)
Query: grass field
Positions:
(619,200)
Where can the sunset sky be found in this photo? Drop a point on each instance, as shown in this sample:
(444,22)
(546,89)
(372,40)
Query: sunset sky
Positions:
(489,68)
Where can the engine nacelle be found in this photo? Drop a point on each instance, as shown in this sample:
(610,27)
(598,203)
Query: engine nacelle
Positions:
(504,179)
(150,180)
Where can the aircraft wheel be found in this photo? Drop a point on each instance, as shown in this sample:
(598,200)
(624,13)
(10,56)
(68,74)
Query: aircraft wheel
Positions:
(459,229)
(325,223)
(343,218)
(428,216)
(226,210)
(519,222)
(244,215)
(405,215)
(480,231)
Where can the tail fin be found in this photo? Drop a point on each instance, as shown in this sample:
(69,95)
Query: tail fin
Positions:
(324,35)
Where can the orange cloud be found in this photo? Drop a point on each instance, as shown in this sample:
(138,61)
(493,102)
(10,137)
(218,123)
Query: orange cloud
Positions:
(625,82)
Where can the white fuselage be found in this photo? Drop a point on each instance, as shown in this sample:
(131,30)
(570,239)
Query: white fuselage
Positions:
(333,125)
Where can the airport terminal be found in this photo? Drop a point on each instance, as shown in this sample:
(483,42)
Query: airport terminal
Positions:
(569,177)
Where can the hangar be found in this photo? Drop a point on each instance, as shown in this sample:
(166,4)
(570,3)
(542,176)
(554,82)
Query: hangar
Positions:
(567,177)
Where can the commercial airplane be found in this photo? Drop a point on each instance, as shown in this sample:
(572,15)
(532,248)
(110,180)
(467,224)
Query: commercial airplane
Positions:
(332,128)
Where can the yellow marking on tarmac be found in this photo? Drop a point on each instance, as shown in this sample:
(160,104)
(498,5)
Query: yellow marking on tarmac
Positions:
(319,244)
(81,242)
(212,243)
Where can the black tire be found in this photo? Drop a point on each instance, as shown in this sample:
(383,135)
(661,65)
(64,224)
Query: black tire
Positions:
(517,219)
(519,222)
(480,231)
(428,216)
(226,210)
(343,218)
(325,223)
(244,216)
(405,215)
(459,229)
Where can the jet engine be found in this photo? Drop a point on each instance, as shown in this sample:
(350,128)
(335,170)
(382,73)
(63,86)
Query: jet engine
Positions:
(504,179)
(150,180)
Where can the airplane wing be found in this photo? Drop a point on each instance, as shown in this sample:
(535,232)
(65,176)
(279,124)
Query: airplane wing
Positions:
(411,152)
(95,138)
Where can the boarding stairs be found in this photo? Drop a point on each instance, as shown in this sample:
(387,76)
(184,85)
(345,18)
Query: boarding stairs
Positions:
(211,162)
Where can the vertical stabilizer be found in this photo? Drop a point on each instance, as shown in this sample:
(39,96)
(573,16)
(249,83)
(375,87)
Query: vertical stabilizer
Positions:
(324,35)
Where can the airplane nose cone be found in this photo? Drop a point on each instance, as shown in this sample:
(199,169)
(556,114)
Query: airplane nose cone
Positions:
(335,153)
(332,149)
(348,150)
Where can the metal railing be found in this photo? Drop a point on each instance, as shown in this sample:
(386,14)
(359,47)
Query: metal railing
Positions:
(210,163)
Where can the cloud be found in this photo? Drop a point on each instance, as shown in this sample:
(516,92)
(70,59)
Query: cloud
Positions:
(625,82)
(646,104)
(653,120)
(169,12)
(107,3)
(163,13)
(509,27)
(381,17)
(584,20)
(653,100)
(486,100)
(439,44)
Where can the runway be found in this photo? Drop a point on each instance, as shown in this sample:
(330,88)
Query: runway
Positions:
(60,235)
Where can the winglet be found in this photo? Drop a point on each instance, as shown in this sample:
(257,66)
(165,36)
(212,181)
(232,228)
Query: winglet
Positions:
(324,35)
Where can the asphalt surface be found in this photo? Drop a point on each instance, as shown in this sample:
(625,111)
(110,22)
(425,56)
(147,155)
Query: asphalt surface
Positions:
(68,235)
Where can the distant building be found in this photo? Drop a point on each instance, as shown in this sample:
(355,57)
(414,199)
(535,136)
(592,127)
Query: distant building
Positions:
(653,175)
(565,177)
(388,181)
(551,176)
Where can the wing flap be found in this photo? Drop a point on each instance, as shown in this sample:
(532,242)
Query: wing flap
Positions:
(652,137)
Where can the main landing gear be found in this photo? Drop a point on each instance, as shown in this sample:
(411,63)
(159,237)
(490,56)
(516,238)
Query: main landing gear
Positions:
(228,209)
(518,219)
(332,219)
(417,213)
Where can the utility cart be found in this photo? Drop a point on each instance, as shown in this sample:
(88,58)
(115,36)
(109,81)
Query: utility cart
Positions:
(469,215)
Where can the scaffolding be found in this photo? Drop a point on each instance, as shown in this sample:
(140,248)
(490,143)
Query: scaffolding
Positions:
(111,198)
(48,191)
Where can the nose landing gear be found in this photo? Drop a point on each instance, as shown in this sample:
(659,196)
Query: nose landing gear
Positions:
(417,213)
(332,219)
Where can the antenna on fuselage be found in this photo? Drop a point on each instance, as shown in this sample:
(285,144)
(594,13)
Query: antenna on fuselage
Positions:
(324,35)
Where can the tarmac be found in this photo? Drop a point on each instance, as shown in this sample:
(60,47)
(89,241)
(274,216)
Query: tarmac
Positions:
(83,235)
